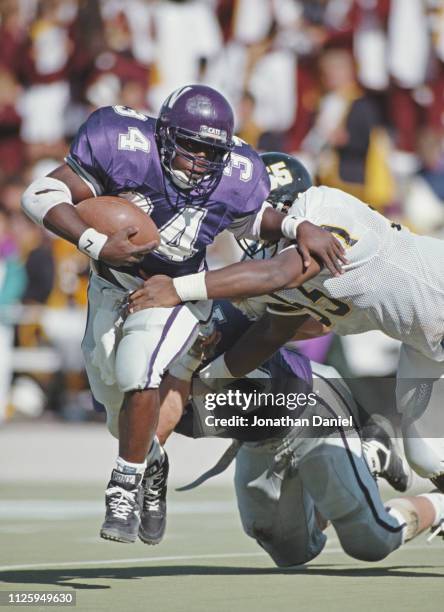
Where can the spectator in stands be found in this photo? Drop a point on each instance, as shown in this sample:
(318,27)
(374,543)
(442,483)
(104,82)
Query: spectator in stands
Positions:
(11,146)
(12,285)
(44,70)
(348,133)
(424,199)
(193,27)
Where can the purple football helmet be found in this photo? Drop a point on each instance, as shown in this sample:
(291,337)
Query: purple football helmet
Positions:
(197,123)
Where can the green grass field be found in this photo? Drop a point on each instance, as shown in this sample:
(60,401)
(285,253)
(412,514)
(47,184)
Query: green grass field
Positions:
(49,541)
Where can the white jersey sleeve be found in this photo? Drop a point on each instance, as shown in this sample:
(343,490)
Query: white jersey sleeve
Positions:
(349,219)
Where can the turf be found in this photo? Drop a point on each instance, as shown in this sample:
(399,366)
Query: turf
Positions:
(49,540)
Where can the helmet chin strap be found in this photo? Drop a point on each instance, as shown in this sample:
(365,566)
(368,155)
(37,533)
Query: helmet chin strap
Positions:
(180,179)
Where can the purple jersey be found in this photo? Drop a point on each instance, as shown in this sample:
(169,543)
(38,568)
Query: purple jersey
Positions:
(115,152)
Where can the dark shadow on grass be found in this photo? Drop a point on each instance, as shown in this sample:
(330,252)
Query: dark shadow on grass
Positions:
(74,578)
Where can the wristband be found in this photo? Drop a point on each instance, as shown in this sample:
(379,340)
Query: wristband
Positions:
(191,288)
(289,226)
(216,370)
(91,242)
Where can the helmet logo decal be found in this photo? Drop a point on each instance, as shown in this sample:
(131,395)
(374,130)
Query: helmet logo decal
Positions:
(279,175)
(200,105)
(212,132)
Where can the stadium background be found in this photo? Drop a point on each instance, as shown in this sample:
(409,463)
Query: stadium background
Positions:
(354,88)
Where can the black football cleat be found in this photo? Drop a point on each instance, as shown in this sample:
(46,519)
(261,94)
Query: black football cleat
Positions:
(154,508)
(123,498)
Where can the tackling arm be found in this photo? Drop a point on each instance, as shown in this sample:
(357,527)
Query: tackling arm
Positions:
(241,280)
(258,344)
(310,329)
(311,239)
(253,278)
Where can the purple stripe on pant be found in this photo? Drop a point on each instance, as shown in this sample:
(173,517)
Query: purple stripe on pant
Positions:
(185,343)
(165,330)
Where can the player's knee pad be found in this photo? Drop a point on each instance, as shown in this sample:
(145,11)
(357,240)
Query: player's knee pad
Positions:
(134,362)
(152,339)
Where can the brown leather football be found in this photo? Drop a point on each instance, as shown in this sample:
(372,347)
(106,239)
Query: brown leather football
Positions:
(108,214)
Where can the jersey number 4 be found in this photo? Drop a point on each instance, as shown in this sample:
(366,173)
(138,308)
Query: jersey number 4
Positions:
(134,140)
(179,234)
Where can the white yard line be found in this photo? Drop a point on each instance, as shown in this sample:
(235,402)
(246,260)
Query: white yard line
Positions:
(4,568)
(55,564)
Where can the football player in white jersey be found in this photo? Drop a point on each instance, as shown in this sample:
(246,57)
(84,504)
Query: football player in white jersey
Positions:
(393,282)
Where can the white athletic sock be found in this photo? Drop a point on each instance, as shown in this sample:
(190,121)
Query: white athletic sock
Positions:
(437,501)
(129,468)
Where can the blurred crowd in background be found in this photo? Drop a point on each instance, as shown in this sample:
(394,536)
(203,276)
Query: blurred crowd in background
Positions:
(354,88)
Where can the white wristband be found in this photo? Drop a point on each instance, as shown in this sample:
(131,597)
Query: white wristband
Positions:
(191,287)
(91,242)
(289,226)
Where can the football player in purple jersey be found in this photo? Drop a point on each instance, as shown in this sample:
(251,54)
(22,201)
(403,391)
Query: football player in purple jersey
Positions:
(195,179)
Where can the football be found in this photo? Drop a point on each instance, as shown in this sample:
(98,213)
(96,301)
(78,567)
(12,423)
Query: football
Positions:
(108,214)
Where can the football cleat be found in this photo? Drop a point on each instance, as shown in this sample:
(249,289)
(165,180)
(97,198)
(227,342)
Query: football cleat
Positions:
(382,455)
(123,498)
(154,508)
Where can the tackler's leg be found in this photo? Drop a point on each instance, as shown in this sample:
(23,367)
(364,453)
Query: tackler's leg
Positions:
(419,392)
(274,507)
(380,448)
(345,493)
